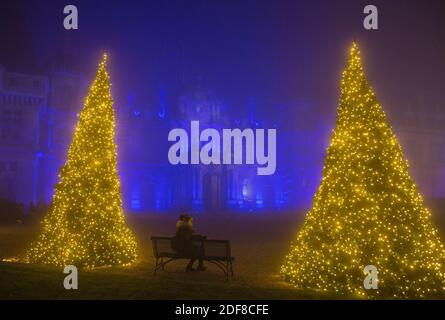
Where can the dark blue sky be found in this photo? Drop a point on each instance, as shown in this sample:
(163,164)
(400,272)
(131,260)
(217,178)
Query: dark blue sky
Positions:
(275,51)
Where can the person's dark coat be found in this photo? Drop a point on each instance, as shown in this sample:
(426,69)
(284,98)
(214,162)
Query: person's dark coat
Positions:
(183,240)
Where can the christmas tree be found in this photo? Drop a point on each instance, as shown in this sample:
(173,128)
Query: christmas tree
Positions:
(367,210)
(85,225)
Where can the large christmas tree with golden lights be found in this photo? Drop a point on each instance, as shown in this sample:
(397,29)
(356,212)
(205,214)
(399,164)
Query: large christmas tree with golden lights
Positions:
(367,210)
(85,225)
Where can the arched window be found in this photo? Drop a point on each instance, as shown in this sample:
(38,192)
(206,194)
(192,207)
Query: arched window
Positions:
(246,190)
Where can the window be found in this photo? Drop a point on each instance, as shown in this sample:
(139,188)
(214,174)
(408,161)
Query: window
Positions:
(245,189)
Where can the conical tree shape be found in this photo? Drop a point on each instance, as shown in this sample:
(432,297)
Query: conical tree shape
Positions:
(367,210)
(85,225)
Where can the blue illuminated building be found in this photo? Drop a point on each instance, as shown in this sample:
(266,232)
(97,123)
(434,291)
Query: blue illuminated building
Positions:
(39,115)
(151,183)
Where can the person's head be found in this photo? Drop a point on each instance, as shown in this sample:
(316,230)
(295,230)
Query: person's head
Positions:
(182,217)
(188,219)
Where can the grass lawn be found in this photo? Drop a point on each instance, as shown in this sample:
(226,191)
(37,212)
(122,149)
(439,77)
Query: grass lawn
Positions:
(258,244)
(257,250)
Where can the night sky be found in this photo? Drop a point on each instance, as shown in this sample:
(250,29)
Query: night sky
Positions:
(273,51)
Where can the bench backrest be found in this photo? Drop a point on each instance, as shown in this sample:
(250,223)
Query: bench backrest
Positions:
(212,248)
(162,245)
(217,248)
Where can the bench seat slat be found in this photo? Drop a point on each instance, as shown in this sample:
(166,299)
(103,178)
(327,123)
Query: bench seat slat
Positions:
(177,256)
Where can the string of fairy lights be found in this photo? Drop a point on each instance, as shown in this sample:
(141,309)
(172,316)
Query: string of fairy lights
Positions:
(85,225)
(367,210)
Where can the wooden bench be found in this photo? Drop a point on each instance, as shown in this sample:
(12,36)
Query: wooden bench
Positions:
(217,252)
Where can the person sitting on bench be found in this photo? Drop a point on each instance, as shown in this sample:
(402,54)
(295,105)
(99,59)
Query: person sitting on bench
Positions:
(181,221)
(187,243)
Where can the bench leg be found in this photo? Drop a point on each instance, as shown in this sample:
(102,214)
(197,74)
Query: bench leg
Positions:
(227,271)
(156,266)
